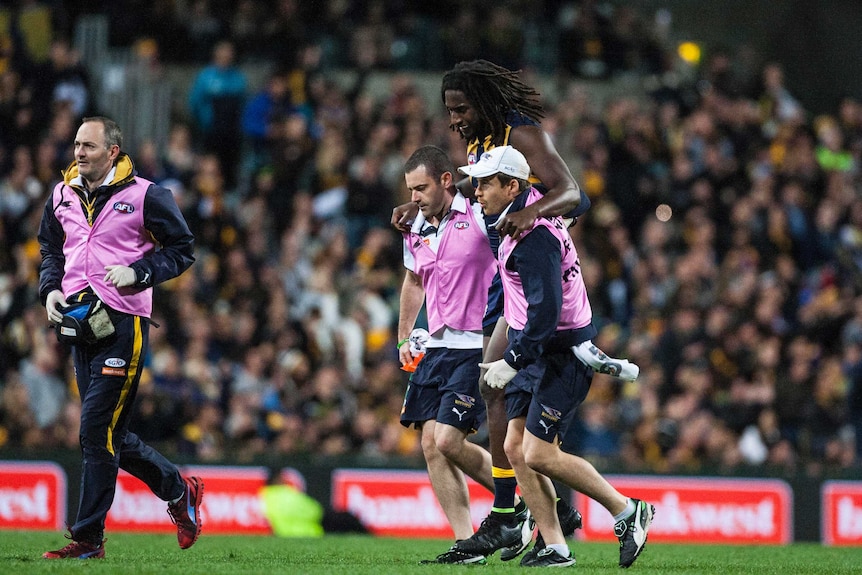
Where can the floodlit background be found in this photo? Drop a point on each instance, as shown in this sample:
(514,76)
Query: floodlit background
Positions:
(720,144)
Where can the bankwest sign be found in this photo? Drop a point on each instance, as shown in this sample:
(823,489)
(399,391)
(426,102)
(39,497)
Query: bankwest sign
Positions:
(400,503)
(230,503)
(841,504)
(32,496)
(700,510)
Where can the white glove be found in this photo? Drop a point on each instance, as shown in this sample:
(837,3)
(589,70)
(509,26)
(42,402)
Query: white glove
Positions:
(418,339)
(121,276)
(595,358)
(55,298)
(499,373)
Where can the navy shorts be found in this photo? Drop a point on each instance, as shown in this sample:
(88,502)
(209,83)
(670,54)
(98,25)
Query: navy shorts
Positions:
(494,309)
(445,387)
(547,393)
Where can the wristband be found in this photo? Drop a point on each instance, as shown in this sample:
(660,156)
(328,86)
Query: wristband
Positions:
(402,342)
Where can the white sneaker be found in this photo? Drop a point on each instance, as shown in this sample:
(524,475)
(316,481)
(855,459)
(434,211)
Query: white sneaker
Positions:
(595,358)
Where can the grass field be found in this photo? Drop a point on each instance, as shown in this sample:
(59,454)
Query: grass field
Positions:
(21,552)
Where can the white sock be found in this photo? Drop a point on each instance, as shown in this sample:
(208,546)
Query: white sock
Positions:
(595,358)
(560,548)
(630,508)
(174,501)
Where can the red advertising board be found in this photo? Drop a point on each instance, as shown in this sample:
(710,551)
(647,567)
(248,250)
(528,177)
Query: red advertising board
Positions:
(230,504)
(32,496)
(841,504)
(400,503)
(700,510)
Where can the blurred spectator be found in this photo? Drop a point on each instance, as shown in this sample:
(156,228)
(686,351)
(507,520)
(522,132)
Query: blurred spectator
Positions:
(584,39)
(778,106)
(149,162)
(20,190)
(45,390)
(368,197)
(502,40)
(35,26)
(831,152)
(283,32)
(62,79)
(20,428)
(264,115)
(203,30)
(460,40)
(203,438)
(598,437)
(215,102)
(852,367)
(179,156)
(245,28)
(373,36)
(207,212)
(10,85)
(329,407)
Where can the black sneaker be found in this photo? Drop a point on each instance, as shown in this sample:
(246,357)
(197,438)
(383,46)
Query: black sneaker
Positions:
(632,532)
(456,557)
(531,555)
(528,525)
(548,557)
(570,520)
(497,531)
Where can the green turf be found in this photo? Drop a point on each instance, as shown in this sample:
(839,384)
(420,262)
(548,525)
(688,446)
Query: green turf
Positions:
(21,552)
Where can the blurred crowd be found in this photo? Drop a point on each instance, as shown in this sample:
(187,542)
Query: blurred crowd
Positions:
(723,251)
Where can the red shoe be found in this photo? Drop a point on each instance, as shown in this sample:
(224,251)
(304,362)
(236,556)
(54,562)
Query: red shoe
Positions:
(185,513)
(78,550)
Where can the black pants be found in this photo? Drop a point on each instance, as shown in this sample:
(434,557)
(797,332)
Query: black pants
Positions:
(108,373)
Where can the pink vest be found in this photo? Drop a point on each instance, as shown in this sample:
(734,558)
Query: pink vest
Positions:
(457,277)
(576,311)
(118,237)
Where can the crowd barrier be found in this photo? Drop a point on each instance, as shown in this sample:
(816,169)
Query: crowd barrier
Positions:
(400,502)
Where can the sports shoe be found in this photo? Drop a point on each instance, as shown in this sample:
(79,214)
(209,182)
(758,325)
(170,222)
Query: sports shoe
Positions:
(632,532)
(495,532)
(78,550)
(601,362)
(548,557)
(456,556)
(185,513)
(570,520)
(528,525)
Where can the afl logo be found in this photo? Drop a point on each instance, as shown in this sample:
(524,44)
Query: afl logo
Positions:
(124,208)
(462,225)
(115,362)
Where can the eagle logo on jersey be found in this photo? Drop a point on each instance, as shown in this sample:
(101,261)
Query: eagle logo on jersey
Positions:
(551,413)
(465,400)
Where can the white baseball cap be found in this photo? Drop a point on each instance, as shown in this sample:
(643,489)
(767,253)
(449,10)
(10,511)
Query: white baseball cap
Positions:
(504,159)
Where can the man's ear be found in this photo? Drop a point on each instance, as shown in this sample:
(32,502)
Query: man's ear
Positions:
(513,188)
(446,179)
(114,152)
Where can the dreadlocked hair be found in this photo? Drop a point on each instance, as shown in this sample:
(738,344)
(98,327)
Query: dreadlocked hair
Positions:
(493,90)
